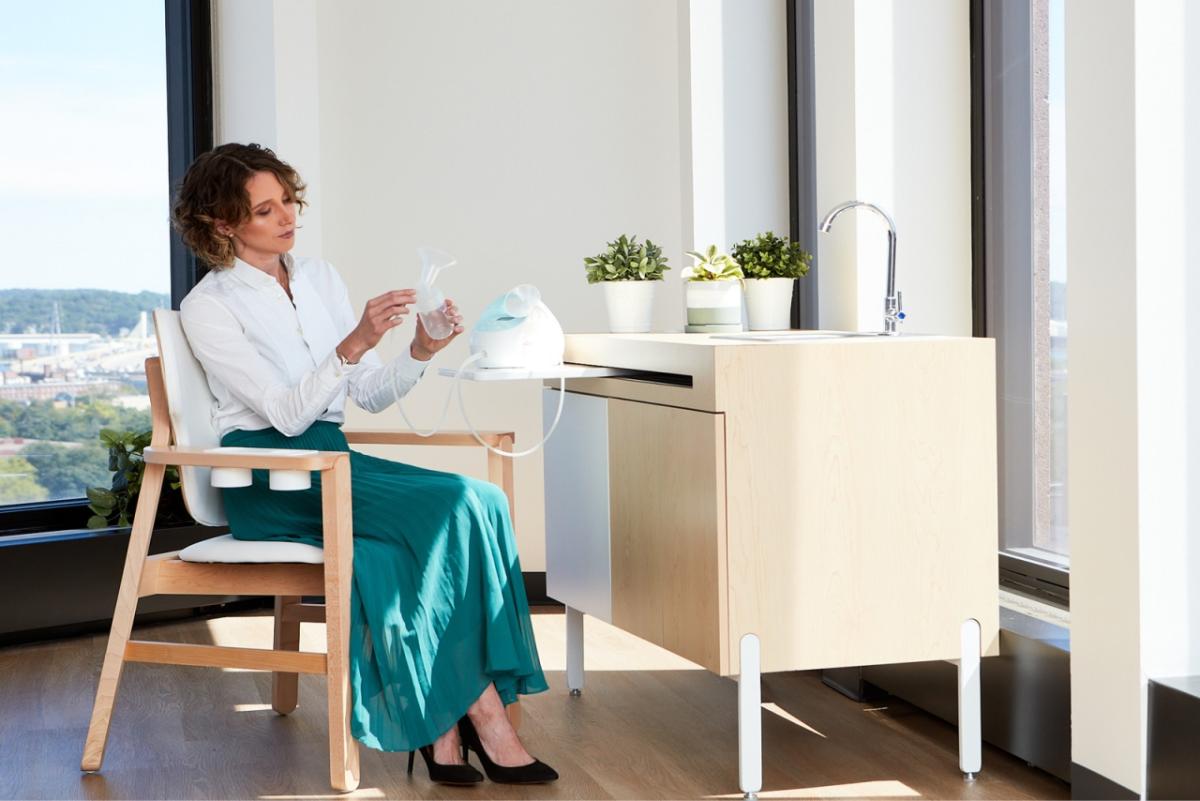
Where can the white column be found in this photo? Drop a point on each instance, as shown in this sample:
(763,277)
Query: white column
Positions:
(893,128)
(1133,236)
(266,89)
(733,114)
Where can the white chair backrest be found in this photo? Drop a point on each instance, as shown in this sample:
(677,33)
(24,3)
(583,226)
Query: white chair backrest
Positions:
(190,406)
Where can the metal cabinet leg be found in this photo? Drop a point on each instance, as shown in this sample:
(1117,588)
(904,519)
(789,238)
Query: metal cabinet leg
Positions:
(574,651)
(750,718)
(970,719)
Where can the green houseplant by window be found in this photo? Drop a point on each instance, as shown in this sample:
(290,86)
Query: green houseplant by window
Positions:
(714,292)
(628,271)
(772,265)
(115,505)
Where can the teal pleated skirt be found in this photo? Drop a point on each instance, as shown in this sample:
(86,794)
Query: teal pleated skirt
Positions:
(437,606)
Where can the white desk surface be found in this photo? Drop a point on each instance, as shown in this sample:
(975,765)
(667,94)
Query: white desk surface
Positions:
(517,374)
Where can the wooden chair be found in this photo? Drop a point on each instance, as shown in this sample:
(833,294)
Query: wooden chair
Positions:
(180,405)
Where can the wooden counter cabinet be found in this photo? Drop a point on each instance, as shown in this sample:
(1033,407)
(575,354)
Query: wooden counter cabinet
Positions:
(834,498)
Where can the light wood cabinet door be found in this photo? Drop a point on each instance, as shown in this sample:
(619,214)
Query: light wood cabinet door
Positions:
(667,495)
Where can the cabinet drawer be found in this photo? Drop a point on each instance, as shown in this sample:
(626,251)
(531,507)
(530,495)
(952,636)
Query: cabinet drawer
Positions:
(667,528)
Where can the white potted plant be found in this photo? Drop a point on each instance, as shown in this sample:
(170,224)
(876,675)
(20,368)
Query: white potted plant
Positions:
(714,292)
(772,264)
(629,271)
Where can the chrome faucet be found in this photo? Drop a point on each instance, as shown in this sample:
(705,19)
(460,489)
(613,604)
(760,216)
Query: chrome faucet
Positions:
(893,306)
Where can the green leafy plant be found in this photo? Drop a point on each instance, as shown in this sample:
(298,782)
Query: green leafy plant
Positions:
(115,505)
(771,256)
(626,260)
(712,265)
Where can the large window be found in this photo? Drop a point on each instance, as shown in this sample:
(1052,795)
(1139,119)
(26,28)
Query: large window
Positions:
(88,90)
(82,218)
(1021,269)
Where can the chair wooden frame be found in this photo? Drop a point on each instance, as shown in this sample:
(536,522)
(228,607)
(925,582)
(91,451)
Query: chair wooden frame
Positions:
(167,574)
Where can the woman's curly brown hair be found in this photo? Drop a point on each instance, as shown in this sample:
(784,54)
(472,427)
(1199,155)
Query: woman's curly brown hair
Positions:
(214,188)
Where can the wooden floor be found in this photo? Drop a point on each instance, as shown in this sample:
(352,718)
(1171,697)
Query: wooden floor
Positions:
(649,725)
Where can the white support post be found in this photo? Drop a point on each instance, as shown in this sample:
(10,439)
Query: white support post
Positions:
(970,718)
(750,718)
(575,651)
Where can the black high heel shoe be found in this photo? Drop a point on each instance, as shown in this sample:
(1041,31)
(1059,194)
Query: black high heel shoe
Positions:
(445,774)
(536,772)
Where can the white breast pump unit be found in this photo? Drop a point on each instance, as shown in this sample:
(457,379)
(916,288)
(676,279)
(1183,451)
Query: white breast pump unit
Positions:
(516,332)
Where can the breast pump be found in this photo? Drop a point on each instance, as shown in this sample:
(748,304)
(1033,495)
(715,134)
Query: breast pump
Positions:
(431,301)
(517,331)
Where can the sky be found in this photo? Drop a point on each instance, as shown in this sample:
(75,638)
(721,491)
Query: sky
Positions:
(83,145)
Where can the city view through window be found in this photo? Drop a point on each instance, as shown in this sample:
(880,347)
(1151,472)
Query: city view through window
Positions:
(84,206)
(1055,543)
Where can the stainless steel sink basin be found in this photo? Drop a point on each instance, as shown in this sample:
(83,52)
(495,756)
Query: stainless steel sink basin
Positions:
(791,336)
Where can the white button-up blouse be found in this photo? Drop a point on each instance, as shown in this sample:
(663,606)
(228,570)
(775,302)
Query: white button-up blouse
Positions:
(271,362)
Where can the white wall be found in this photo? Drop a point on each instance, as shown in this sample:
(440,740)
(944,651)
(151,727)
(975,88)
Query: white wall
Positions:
(893,128)
(1133,235)
(521,138)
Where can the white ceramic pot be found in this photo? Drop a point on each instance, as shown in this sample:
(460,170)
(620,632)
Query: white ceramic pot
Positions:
(769,303)
(630,306)
(714,306)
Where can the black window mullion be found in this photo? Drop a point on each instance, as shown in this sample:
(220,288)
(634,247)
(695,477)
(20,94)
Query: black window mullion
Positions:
(802,173)
(189,114)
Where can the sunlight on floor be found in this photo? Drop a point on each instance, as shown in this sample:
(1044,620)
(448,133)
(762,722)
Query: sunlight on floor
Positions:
(605,647)
(783,713)
(362,792)
(251,707)
(878,789)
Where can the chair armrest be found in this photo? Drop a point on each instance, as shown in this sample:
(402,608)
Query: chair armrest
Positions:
(271,459)
(465,438)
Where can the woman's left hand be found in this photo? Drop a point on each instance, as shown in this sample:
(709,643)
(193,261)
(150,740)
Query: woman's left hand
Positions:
(424,346)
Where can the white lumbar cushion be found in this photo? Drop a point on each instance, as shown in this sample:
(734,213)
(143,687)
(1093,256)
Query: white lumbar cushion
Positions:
(227,549)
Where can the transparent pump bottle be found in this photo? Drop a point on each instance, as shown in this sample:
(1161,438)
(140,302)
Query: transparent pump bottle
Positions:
(431,301)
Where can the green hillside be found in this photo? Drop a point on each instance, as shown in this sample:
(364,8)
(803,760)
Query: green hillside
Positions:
(86,311)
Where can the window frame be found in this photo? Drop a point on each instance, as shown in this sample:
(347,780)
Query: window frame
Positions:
(802,156)
(188,32)
(1028,575)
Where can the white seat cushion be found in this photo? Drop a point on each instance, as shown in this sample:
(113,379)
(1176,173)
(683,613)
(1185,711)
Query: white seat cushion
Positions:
(226,549)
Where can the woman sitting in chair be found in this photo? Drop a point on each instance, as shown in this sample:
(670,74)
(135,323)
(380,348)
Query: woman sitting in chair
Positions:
(440,637)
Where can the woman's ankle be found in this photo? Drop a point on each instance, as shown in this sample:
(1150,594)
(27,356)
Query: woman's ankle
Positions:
(447,749)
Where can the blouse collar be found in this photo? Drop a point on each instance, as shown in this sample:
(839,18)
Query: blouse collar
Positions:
(259,279)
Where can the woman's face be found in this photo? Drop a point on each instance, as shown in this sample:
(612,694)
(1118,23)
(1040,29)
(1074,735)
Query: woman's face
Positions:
(270,230)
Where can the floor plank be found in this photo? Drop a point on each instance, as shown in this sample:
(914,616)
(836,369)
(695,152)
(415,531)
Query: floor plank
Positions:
(649,725)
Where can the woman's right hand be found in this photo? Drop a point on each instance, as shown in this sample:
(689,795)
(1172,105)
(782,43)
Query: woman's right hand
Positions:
(380,316)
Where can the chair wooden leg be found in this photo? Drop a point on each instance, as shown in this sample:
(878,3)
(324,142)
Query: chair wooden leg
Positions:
(122,624)
(285,686)
(339,565)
